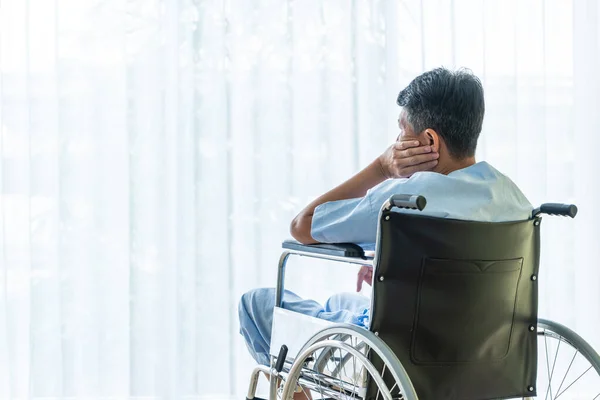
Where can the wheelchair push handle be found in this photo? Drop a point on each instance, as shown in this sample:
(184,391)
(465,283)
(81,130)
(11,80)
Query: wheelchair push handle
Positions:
(413,202)
(565,210)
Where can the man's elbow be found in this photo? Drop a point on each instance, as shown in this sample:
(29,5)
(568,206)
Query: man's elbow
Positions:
(300,229)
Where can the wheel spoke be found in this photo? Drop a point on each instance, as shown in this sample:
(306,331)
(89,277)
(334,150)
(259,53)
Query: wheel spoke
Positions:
(554,365)
(317,380)
(567,373)
(354,389)
(382,375)
(304,391)
(572,383)
(338,376)
(548,370)
(328,361)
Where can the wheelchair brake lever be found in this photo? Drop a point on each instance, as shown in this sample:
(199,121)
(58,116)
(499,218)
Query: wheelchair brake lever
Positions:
(281,358)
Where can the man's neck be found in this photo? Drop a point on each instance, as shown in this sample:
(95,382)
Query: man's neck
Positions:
(454,165)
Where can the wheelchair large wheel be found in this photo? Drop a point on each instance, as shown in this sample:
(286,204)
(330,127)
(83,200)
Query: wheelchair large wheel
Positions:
(334,364)
(568,367)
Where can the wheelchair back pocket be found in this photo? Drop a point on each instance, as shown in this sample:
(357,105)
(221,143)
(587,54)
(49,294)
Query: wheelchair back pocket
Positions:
(465,310)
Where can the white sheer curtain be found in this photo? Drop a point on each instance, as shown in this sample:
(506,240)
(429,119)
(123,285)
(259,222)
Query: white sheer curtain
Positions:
(153,153)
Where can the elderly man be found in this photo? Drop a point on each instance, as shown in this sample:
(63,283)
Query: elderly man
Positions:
(434,156)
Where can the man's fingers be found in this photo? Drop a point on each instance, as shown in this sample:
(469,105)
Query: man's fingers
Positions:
(413,151)
(359,278)
(364,275)
(406,144)
(359,282)
(403,162)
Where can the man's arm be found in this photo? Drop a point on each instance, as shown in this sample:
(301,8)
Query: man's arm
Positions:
(355,187)
(402,159)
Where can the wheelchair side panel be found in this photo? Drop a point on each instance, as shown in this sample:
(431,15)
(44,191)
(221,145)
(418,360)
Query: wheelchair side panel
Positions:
(293,330)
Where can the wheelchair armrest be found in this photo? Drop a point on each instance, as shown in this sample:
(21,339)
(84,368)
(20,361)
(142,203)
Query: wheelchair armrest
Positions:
(344,252)
(338,250)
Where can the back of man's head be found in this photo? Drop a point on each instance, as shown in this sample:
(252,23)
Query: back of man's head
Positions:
(449,102)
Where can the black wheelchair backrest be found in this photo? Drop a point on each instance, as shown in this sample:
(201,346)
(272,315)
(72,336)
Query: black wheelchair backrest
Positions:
(457,303)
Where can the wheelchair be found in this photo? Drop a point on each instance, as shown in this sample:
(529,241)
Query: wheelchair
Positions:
(453,316)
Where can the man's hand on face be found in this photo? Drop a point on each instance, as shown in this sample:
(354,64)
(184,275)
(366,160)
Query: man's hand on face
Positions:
(405,157)
(365,274)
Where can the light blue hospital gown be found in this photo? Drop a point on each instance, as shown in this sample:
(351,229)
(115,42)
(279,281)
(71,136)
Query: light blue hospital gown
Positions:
(476,193)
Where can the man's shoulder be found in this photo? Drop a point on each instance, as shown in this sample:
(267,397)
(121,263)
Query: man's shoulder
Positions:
(418,183)
(481,171)
(479,176)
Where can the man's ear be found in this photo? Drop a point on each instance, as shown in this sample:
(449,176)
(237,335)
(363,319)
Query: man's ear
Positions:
(433,139)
